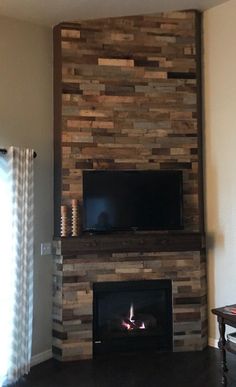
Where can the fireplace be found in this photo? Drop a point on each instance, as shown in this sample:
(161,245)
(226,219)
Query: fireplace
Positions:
(132,315)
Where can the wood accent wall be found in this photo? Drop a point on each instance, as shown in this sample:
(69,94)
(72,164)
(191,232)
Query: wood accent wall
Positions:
(73,294)
(128,96)
(129,99)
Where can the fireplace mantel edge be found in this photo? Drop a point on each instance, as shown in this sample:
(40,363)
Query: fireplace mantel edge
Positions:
(130,242)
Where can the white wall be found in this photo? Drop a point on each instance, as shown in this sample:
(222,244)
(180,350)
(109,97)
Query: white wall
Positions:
(26,120)
(220,154)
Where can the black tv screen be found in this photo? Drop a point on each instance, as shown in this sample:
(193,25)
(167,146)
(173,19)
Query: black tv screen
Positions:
(132,200)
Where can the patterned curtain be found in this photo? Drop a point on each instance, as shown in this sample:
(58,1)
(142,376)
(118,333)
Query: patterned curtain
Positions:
(19,257)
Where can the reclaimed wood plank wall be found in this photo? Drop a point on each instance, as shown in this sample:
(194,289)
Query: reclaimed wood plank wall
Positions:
(73,295)
(129,100)
(127,95)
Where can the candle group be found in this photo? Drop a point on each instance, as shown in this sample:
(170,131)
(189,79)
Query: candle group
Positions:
(65,229)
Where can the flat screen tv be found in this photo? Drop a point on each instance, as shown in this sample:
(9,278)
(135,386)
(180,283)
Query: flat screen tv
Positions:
(132,200)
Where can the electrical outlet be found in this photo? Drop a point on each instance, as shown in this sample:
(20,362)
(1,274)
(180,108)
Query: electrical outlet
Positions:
(46,248)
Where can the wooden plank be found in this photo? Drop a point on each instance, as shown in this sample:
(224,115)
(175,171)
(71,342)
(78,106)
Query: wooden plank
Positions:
(128,242)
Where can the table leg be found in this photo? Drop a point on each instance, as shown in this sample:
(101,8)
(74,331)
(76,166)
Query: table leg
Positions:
(221,345)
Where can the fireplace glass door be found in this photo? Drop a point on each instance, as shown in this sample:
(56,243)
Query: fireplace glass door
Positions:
(132,315)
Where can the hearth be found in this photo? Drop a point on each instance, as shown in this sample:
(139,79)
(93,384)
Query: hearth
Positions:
(132,315)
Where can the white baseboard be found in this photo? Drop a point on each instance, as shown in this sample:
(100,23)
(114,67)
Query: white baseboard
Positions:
(40,357)
(212,342)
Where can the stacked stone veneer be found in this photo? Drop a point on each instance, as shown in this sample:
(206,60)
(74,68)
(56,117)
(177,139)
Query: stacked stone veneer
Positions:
(128,90)
(73,295)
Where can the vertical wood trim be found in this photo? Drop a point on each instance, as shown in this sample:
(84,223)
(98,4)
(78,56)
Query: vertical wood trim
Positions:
(198,37)
(57,90)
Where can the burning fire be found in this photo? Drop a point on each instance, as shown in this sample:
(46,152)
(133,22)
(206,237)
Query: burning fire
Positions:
(131,323)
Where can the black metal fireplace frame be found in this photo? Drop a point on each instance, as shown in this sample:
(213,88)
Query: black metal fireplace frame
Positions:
(153,343)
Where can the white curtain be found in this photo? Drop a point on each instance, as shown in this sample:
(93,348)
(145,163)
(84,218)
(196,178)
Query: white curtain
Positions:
(16,291)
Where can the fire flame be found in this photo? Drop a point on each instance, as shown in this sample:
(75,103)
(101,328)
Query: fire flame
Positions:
(130,323)
(131,312)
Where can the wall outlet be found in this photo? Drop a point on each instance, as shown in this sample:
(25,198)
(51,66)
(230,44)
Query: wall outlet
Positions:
(46,248)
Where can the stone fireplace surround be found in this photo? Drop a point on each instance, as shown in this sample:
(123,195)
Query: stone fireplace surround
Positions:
(75,273)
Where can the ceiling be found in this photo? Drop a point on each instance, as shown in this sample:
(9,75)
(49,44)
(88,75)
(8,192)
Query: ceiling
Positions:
(51,12)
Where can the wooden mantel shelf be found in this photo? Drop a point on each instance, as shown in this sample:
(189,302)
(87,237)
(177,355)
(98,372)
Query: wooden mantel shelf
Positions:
(131,242)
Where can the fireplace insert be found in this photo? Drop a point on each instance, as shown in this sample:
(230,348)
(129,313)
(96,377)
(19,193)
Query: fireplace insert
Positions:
(132,315)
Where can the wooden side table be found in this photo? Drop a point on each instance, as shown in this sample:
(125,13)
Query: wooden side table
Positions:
(224,318)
